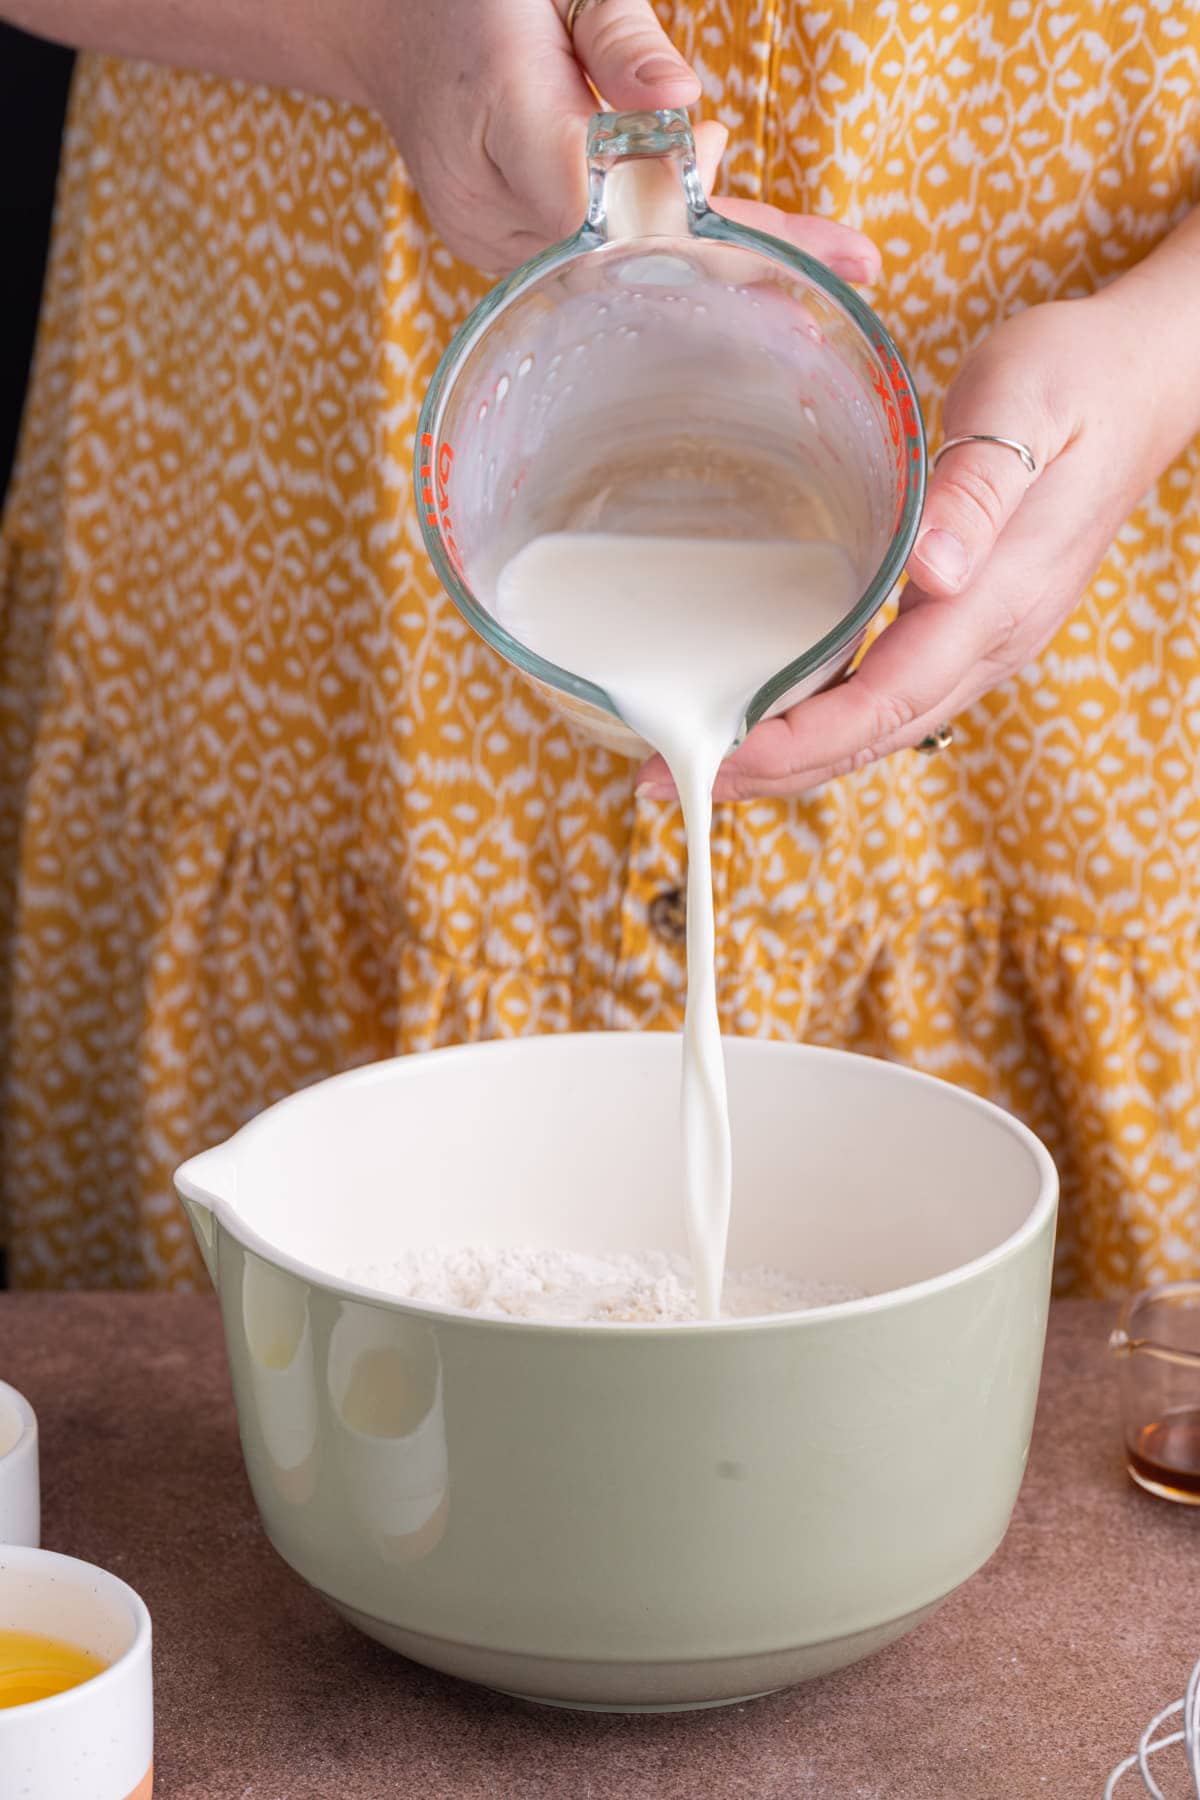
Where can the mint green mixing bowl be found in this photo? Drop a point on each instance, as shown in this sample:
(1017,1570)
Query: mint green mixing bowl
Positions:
(632,1516)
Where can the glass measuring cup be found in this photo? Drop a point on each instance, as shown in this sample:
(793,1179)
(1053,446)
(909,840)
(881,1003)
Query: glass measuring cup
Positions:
(668,372)
(1157,1339)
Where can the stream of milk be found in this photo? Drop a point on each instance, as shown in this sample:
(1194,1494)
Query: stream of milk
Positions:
(681,633)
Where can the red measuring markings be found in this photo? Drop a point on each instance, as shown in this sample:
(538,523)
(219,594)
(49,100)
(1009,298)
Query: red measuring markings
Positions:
(895,397)
(435,493)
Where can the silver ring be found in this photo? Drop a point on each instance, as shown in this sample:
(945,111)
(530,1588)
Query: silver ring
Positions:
(980,437)
(573,11)
(941,739)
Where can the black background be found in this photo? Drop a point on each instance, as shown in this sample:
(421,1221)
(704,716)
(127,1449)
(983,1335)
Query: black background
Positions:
(33,95)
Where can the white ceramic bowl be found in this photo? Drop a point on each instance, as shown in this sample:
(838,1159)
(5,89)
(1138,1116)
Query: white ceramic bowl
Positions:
(20,1501)
(94,1741)
(633,1516)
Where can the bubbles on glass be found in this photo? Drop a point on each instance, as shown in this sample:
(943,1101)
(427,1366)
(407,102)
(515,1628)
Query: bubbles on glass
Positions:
(482,414)
(502,387)
(525,364)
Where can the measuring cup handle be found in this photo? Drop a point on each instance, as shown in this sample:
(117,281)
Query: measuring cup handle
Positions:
(642,176)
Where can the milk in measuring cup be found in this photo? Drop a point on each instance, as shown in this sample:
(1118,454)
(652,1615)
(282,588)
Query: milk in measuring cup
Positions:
(681,632)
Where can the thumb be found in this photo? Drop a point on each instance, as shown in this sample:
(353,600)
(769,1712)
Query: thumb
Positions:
(711,140)
(628,57)
(973,493)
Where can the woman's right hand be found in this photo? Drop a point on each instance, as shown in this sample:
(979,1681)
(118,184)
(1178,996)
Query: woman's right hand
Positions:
(489,106)
(488,100)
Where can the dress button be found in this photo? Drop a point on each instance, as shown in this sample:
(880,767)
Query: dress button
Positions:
(668,915)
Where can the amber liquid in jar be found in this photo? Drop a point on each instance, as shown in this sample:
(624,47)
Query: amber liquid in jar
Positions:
(1165,1455)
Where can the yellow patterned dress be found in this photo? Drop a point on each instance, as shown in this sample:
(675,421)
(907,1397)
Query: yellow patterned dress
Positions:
(267,808)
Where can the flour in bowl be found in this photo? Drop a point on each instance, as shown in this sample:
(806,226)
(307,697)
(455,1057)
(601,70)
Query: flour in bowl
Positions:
(651,1288)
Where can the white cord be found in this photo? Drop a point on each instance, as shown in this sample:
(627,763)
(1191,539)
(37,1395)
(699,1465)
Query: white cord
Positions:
(1189,1737)
(1191,1725)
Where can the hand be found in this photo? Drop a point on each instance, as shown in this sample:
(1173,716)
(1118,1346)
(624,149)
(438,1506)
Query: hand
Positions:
(489,106)
(1002,558)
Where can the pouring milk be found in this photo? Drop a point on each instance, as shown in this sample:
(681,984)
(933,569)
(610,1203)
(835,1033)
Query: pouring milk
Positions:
(681,633)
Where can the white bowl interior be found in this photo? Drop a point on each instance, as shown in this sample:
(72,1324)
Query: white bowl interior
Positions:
(12,1425)
(60,1597)
(846,1169)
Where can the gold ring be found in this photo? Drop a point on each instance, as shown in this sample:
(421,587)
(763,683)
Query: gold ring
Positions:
(941,739)
(574,9)
(1028,459)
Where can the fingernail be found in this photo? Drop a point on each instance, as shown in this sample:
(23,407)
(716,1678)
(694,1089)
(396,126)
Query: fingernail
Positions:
(652,790)
(662,68)
(854,268)
(944,556)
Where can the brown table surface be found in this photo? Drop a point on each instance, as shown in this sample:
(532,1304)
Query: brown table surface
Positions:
(1034,1679)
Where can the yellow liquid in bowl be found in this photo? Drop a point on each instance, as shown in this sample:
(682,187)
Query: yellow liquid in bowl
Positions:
(34,1668)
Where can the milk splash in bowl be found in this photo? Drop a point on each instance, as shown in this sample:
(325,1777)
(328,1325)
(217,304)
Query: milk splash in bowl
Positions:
(681,633)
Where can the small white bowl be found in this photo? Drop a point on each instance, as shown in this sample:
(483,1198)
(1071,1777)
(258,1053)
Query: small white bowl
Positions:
(20,1502)
(95,1740)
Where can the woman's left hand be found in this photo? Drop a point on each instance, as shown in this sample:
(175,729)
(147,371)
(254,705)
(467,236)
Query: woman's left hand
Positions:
(1002,557)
